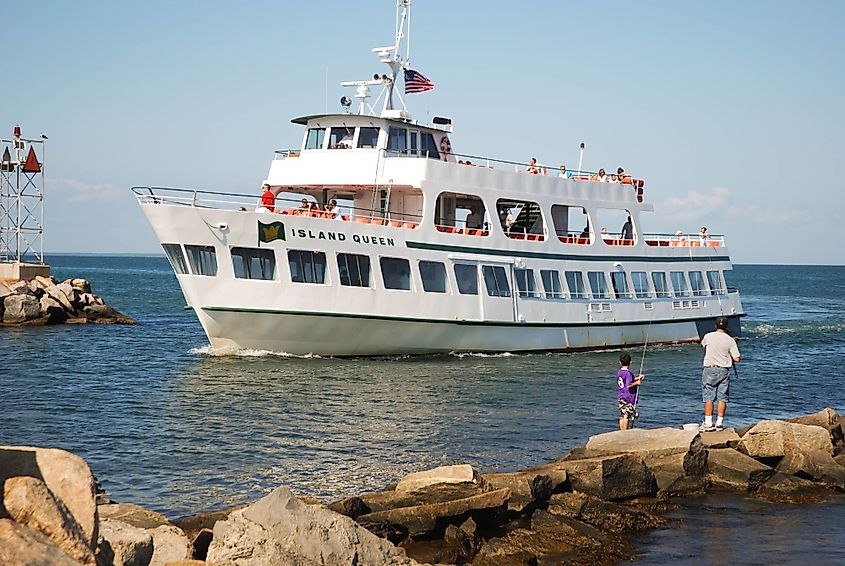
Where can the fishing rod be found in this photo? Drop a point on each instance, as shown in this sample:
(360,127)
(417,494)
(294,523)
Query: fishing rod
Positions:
(642,365)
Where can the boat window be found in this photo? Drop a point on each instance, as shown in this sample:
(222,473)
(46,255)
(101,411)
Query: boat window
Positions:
(176,258)
(575,282)
(525,284)
(615,227)
(396,273)
(413,142)
(354,270)
(715,282)
(598,284)
(429,148)
(696,282)
(368,137)
(340,137)
(640,282)
(679,283)
(496,280)
(307,266)
(203,259)
(620,285)
(521,219)
(467,279)
(254,263)
(433,275)
(315,138)
(551,283)
(457,213)
(397,139)
(572,224)
(660,287)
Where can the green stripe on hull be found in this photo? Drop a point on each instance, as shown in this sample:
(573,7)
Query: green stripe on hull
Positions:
(545,255)
(463,322)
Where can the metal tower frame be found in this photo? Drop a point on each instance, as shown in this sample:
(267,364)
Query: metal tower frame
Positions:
(21,201)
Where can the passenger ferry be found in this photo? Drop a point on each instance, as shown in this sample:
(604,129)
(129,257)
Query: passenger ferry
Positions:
(430,250)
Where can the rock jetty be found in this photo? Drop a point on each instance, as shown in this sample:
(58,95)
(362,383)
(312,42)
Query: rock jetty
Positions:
(580,509)
(42,300)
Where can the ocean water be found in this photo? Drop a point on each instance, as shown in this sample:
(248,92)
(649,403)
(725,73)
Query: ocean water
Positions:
(166,424)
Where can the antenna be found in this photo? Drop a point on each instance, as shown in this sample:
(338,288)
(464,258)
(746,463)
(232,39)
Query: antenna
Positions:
(390,56)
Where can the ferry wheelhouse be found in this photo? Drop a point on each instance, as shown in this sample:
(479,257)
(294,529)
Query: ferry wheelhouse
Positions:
(429,250)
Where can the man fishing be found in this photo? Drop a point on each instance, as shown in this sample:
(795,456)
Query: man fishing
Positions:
(720,353)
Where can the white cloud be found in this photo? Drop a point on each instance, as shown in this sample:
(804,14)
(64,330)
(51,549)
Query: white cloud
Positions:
(82,191)
(719,202)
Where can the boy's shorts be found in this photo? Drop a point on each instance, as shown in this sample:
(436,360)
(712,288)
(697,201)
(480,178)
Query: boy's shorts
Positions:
(627,410)
(715,384)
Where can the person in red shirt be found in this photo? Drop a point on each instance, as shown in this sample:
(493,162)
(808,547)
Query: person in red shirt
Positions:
(268,199)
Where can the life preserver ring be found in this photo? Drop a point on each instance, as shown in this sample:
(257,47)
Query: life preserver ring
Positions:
(445,145)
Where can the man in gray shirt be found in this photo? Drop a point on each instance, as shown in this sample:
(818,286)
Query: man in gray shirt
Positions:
(720,353)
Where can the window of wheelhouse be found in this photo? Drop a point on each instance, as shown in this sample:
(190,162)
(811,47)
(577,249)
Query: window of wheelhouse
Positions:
(433,276)
(428,146)
(368,137)
(396,273)
(620,285)
(177,258)
(696,282)
(615,226)
(254,263)
(640,282)
(315,137)
(661,289)
(679,284)
(354,270)
(572,224)
(397,139)
(521,219)
(307,266)
(340,137)
(457,213)
(496,280)
(203,259)
(551,283)
(525,284)
(466,276)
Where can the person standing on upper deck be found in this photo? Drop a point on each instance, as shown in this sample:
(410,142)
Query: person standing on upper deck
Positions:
(720,353)
(268,199)
(628,230)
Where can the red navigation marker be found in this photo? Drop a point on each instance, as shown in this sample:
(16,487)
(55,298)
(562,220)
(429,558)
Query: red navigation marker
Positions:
(31,164)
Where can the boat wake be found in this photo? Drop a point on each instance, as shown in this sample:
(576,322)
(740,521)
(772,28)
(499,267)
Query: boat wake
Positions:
(207,350)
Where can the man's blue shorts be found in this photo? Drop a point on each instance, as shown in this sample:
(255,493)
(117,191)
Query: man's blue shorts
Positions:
(715,384)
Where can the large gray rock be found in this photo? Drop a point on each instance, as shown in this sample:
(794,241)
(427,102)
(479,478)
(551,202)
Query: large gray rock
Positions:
(676,457)
(132,514)
(427,519)
(528,488)
(122,544)
(21,308)
(280,529)
(52,310)
(169,545)
(66,475)
(22,546)
(81,285)
(352,507)
(727,438)
(444,477)
(772,440)
(4,291)
(623,476)
(604,515)
(58,295)
(104,314)
(818,466)
(727,467)
(28,501)
(828,419)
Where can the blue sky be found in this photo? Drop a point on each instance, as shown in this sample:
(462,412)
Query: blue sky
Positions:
(731,111)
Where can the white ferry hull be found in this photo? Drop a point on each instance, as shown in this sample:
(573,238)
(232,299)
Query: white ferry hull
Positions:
(332,335)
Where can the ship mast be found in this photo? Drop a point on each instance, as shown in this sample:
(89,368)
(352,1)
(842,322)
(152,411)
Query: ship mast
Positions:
(392,57)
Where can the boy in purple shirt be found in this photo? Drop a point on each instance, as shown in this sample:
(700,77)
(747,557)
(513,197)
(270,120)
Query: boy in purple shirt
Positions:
(628,386)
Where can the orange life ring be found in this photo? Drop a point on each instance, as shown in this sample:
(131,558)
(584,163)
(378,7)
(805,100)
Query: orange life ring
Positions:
(445,145)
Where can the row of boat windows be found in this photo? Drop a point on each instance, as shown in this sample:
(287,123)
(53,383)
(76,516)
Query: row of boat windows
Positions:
(401,140)
(355,270)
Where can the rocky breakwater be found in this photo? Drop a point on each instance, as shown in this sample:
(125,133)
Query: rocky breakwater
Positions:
(580,509)
(43,300)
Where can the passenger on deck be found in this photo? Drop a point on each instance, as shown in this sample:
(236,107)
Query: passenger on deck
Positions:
(680,237)
(533,168)
(331,211)
(628,230)
(585,234)
(604,234)
(268,199)
(564,174)
(475,219)
(703,234)
(303,207)
(602,176)
(614,178)
(622,174)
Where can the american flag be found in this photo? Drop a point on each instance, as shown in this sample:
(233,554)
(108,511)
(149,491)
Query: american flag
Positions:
(416,82)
